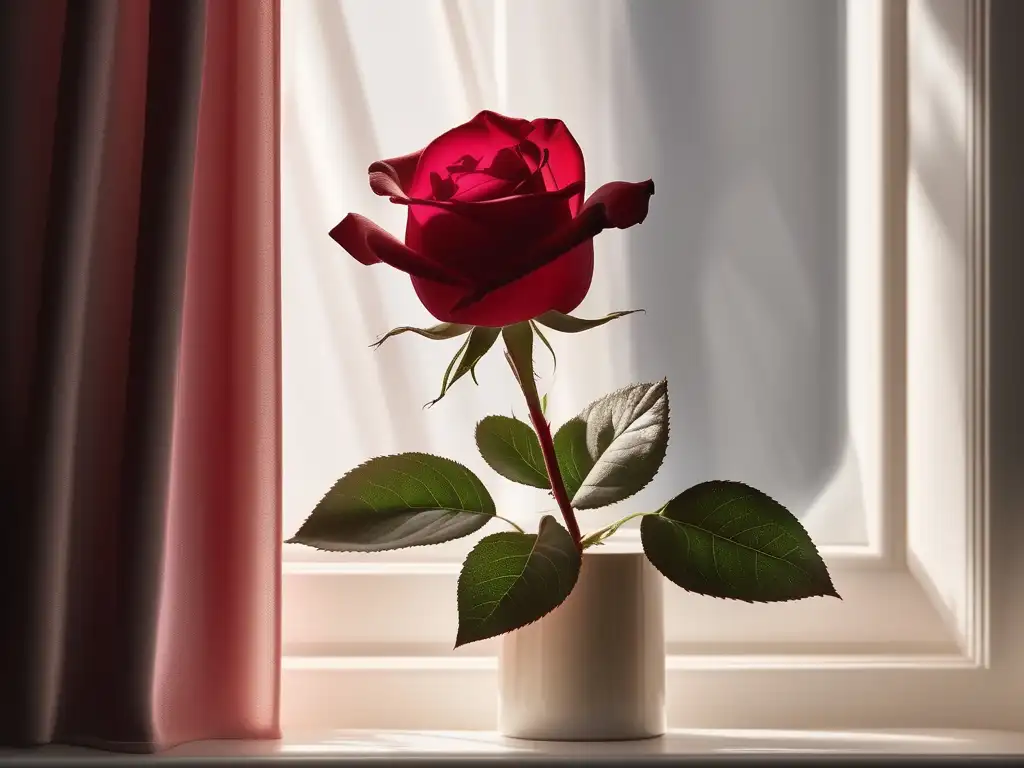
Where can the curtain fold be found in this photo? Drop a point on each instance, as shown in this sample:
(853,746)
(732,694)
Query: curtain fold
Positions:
(140,565)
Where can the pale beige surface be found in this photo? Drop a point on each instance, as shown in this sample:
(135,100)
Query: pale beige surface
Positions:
(399,745)
(675,742)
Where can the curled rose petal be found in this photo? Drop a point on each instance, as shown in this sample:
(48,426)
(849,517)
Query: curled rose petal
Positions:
(390,178)
(368,244)
(618,204)
(623,204)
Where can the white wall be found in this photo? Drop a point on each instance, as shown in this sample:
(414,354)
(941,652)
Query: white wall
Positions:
(937,269)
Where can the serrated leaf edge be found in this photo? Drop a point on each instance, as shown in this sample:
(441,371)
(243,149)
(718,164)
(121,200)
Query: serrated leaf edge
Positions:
(464,468)
(476,439)
(668,434)
(458,588)
(814,547)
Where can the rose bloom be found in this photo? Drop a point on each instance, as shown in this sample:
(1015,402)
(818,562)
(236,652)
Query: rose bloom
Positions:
(498,231)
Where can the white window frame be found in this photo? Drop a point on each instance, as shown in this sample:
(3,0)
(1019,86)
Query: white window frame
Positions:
(369,645)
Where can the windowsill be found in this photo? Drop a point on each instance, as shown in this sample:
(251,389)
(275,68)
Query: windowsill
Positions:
(685,746)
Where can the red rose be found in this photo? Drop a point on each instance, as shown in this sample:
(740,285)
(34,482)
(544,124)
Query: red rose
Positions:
(498,231)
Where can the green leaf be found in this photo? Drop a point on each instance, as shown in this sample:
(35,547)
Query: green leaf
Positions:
(544,340)
(574,460)
(390,502)
(557,321)
(511,448)
(451,365)
(510,580)
(480,340)
(615,446)
(435,332)
(726,539)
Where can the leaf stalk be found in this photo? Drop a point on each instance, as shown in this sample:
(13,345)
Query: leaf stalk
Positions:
(601,534)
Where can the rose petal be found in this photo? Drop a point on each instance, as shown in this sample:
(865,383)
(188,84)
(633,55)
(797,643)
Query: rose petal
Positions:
(368,244)
(509,165)
(531,151)
(481,239)
(565,165)
(473,187)
(499,211)
(489,132)
(560,285)
(443,188)
(391,178)
(618,204)
(465,164)
(623,204)
(481,137)
(534,184)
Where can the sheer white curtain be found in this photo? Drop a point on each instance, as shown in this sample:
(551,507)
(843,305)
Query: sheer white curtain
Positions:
(735,109)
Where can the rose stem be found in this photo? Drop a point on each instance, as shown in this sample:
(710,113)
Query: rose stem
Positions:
(547,449)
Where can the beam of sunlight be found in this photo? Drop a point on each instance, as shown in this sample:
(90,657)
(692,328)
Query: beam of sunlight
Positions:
(879,737)
(938,68)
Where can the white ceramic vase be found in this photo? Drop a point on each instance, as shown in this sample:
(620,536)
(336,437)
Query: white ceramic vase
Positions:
(594,668)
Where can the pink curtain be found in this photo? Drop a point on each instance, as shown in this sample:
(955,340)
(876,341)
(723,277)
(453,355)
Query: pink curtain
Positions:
(140,345)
